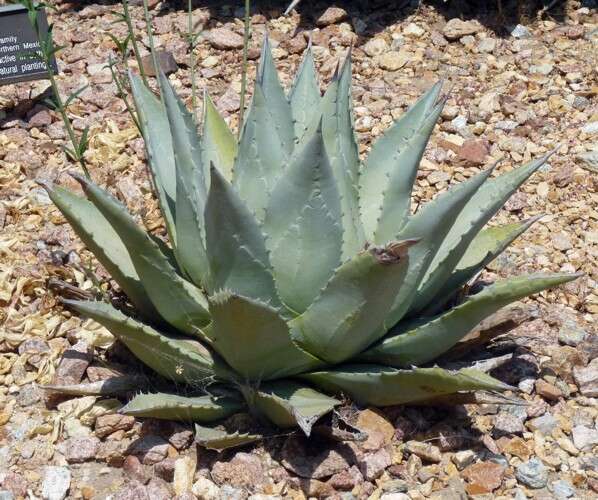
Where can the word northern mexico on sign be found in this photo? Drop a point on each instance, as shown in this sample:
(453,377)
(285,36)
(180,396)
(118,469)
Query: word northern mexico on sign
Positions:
(19,47)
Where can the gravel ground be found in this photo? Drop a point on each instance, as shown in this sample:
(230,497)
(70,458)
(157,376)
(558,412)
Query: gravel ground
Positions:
(515,93)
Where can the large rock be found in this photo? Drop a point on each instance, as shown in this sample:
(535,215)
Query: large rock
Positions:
(532,474)
(224,39)
(56,483)
(73,364)
(332,15)
(150,449)
(308,460)
(587,379)
(165,60)
(107,424)
(79,449)
(243,471)
(455,29)
(483,477)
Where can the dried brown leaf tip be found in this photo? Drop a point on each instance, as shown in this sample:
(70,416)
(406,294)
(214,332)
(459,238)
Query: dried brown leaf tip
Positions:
(393,252)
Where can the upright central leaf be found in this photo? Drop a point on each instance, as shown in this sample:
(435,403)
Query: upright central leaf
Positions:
(236,246)
(301,221)
(305,95)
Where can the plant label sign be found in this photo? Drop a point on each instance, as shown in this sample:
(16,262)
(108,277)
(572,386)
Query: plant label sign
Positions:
(20,59)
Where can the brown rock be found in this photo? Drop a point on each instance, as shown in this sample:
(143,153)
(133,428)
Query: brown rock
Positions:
(517,447)
(165,469)
(379,430)
(15,483)
(229,101)
(455,29)
(134,469)
(165,60)
(39,117)
(79,449)
(132,490)
(317,489)
(425,451)
(587,379)
(150,449)
(373,465)
(225,39)
(483,477)
(113,452)
(73,364)
(158,489)
(346,480)
(306,459)
(332,15)
(473,151)
(243,471)
(107,424)
(548,391)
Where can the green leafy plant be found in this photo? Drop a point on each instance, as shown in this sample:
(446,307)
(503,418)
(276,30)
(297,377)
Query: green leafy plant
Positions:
(296,276)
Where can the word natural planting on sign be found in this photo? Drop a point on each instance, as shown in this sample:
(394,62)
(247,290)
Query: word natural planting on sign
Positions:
(20,56)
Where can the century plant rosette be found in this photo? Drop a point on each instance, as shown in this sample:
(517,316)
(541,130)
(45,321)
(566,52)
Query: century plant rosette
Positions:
(294,275)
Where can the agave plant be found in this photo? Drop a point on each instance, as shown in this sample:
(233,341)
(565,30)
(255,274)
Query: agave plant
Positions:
(295,276)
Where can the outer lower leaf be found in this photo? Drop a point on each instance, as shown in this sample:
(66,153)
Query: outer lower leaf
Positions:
(190,187)
(430,226)
(236,246)
(179,360)
(383,386)
(287,404)
(474,216)
(187,409)
(158,143)
(179,302)
(486,246)
(215,439)
(305,95)
(261,158)
(278,107)
(101,239)
(219,145)
(386,182)
(301,221)
(254,339)
(349,313)
(416,343)
(339,138)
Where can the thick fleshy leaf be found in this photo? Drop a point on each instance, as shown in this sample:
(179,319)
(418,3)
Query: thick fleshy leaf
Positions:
(278,108)
(254,340)
(482,206)
(422,341)
(158,143)
(486,246)
(430,225)
(178,301)
(236,246)
(304,235)
(191,191)
(339,138)
(215,439)
(305,95)
(186,409)
(103,241)
(384,386)
(218,143)
(177,359)
(287,404)
(261,157)
(386,181)
(349,313)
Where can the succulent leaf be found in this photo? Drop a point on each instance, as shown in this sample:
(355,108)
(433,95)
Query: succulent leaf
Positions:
(430,226)
(219,440)
(261,156)
(191,191)
(339,138)
(386,181)
(186,409)
(420,341)
(102,240)
(179,302)
(158,143)
(279,108)
(254,340)
(343,320)
(218,143)
(305,97)
(301,221)
(486,246)
(479,210)
(236,246)
(176,359)
(385,386)
(288,404)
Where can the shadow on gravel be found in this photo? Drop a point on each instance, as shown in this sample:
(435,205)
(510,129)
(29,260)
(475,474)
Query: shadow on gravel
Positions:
(497,15)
